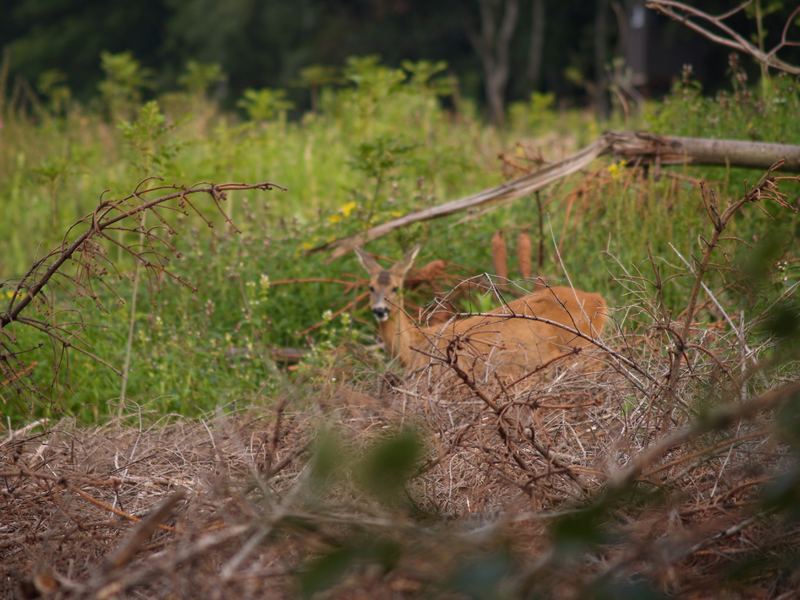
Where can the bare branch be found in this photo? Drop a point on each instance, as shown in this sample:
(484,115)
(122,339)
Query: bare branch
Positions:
(716,30)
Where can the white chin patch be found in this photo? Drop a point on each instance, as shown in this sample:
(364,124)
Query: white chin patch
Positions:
(382,318)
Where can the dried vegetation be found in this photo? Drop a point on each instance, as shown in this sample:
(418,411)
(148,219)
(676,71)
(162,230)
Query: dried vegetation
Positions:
(661,461)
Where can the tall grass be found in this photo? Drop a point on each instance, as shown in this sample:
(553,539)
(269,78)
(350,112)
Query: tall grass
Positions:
(375,148)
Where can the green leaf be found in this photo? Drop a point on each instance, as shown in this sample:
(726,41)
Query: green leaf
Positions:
(325,571)
(390,463)
(328,458)
(783,321)
(625,590)
(482,577)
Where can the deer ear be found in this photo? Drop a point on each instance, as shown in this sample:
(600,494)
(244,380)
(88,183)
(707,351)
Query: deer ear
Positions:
(367,261)
(403,265)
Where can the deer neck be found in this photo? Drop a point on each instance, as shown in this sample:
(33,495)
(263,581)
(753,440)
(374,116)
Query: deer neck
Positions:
(399,333)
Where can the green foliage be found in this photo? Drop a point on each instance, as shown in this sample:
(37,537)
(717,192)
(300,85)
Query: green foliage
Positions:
(265,104)
(323,572)
(425,77)
(382,471)
(375,149)
(483,576)
(734,114)
(199,77)
(52,84)
(537,115)
(479,303)
(125,79)
(389,464)
(149,138)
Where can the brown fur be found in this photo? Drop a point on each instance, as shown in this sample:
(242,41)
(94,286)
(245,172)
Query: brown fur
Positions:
(509,346)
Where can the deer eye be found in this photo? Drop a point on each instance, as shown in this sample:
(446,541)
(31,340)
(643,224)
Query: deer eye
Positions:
(371,289)
(394,289)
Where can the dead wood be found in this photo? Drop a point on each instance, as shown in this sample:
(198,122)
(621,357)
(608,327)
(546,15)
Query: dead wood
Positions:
(635,147)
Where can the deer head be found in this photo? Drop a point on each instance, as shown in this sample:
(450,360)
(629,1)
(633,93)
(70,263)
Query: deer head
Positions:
(385,285)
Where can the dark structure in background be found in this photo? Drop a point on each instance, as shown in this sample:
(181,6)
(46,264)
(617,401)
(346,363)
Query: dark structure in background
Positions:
(500,50)
(655,50)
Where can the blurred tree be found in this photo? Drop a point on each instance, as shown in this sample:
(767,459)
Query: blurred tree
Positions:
(315,77)
(49,34)
(534,70)
(268,43)
(124,81)
(498,20)
(601,62)
(199,78)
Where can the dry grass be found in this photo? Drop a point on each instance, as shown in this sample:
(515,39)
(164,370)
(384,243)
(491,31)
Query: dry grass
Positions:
(644,463)
(241,513)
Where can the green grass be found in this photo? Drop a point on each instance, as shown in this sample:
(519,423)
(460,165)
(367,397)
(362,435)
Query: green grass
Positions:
(375,149)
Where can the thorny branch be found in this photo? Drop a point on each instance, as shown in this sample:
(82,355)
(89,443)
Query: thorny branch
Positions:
(503,421)
(765,189)
(84,250)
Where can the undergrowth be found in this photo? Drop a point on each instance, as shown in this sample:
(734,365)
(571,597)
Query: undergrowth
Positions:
(375,148)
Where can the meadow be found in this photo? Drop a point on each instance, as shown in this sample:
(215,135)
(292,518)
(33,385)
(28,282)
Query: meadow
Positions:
(377,148)
(204,347)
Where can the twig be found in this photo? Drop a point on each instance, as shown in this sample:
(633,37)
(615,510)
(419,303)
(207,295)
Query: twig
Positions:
(99,222)
(736,329)
(717,420)
(452,362)
(126,365)
(727,36)
(161,564)
(765,188)
(13,435)
(86,253)
(141,533)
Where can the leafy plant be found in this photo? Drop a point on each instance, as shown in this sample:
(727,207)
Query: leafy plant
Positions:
(125,80)
(265,104)
(198,78)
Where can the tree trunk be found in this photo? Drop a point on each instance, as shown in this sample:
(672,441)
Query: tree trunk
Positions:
(492,45)
(601,59)
(533,74)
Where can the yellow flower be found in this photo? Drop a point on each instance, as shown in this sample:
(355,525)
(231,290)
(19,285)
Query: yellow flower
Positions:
(348,208)
(615,169)
(334,218)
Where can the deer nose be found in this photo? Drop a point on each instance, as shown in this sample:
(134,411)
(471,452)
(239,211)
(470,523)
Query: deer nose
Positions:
(381,313)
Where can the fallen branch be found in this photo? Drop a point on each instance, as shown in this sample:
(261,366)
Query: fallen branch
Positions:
(636,147)
(506,191)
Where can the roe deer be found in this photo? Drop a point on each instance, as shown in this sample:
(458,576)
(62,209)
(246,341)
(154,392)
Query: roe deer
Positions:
(509,346)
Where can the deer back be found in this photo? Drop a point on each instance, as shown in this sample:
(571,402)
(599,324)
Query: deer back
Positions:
(513,346)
